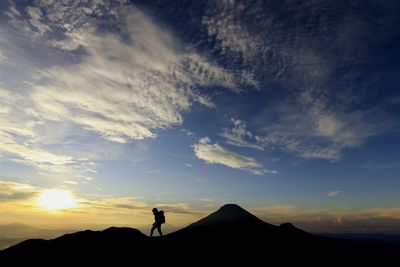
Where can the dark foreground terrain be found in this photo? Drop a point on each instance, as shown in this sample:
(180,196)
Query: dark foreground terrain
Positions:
(231,235)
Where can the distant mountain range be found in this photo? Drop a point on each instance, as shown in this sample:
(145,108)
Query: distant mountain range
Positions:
(11,234)
(16,229)
(230,235)
(371,237)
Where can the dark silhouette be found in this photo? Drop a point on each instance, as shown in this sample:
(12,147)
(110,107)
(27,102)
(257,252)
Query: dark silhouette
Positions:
(230,235)
(159,218)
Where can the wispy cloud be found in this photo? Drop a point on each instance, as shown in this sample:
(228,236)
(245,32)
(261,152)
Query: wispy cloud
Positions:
(18,135)
(240,136)
(122,89)
(35,20)
(140,86)
(213,153)
(316,135)
(334,193)
(3,57)
(188,132)
(316,120)
(319,132)
(120,85)
(14,191)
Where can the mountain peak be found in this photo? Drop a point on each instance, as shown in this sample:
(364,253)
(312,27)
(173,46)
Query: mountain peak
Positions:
(232,211)
(231,214)
(231,207)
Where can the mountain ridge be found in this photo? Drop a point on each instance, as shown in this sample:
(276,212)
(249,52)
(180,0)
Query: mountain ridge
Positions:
(213,237)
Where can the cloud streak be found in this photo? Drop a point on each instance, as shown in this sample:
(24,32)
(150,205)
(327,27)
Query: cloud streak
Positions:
(213,153)
(13,191)
(239,136)
(19,135)
(3,57)
(334,193)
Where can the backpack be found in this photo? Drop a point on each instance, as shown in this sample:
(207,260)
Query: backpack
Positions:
(161,216)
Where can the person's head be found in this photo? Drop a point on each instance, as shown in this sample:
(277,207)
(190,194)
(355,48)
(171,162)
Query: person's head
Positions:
(155,210)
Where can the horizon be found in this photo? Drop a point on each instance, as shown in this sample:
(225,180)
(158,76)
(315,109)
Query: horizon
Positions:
(291,110)
(70,228)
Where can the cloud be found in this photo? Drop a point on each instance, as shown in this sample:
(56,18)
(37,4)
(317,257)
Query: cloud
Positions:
(315,135)
(35,20)
(221,21)
(3,57)
(180,208)
(32,25)
(216,154)
(319,132)
(121,91)
(121,84)
(18,203)
(188,132)
(18,135)
(386,212)
(307,129)
(123,87)
(239,136)
(13,191)
(337,221)
(334,193)
(316,118)
(12,12)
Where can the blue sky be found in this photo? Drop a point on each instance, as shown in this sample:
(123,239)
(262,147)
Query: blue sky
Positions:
(288,109)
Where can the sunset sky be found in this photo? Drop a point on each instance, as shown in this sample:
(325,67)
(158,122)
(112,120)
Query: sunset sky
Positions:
(290,109)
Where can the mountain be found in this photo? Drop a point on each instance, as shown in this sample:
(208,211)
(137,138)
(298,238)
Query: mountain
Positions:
(233,223)
(231,235)
(229,214)
(229,222)
(16,229)
(377,237)
(232,230)
(14,233)
(11,234)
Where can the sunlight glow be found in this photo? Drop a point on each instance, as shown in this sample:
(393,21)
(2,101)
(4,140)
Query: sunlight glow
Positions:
(56,199)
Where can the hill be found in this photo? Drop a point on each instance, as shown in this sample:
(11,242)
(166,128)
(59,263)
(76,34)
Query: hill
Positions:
(229,235)
(14,233)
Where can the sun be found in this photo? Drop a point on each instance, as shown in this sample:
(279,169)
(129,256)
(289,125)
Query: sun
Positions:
(56,199)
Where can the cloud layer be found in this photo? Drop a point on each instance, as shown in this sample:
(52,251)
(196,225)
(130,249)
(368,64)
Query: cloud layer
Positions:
(317,116)
(124,88)
(121,84)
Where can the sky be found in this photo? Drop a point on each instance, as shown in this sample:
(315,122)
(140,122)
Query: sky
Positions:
(290,109)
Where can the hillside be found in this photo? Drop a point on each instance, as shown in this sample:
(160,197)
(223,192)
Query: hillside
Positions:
(231,234)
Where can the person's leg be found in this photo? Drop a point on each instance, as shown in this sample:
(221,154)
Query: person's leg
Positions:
(152,230)
(159,230)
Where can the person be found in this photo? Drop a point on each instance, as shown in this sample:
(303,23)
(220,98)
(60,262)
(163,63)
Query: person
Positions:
(159,219)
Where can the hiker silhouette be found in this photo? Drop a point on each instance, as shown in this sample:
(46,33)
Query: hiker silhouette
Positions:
(159,219)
